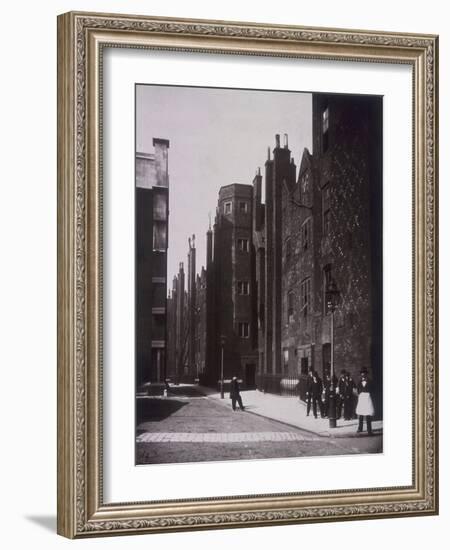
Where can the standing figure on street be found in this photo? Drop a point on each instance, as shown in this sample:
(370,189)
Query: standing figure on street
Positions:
(316,392)
(354,399)
(346,389)
(340,394)
(328,393)
(235,394)
(309,382)
(365,408)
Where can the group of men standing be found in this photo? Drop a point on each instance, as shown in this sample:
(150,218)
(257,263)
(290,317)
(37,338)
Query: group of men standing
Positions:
(351,399)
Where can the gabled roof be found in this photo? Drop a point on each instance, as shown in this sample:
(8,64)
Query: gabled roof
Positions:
(306,162)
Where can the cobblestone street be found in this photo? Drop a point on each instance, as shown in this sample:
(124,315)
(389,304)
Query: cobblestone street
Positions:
(189,426)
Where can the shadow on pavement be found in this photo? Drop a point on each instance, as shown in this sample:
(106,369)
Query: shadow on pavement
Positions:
(157,409)
(185,391)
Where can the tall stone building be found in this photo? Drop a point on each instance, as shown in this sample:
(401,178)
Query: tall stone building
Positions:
(191,370)
(152,213)
(186,305)
(330,233)
(230,278)
(177,327)
(209,375)
(200,324)
(280,173)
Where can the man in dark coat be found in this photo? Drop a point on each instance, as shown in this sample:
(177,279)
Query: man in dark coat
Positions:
(340,394)
(328,392)
(346,389)
(316,392)
(235,394)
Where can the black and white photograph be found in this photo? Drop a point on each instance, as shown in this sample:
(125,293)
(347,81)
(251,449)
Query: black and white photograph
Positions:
(258,274)
(223,234)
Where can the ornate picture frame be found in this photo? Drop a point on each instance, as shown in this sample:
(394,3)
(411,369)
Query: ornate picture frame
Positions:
(82,40)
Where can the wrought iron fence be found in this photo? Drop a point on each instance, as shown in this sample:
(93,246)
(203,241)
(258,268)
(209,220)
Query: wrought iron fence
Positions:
(278,384)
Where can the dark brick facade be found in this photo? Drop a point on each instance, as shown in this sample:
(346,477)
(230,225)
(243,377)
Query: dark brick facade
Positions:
(192,367)
(331,229)
(152,213)
(186,340)
(231,300)
(177,328)
(200,324)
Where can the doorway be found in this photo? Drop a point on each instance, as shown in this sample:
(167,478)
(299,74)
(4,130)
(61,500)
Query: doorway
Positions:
(250,376)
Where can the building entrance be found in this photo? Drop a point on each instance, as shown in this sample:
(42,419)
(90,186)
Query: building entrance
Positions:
(250,376)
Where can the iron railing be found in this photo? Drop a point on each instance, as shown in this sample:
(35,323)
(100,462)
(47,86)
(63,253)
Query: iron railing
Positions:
(279,384)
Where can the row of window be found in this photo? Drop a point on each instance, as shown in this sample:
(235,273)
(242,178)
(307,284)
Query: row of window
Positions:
(305,237)
(306,229)
(160,236)
(243,207)
(305,300)
(243,245)
(244,329)
(243,288)
(306,190)
(305,296)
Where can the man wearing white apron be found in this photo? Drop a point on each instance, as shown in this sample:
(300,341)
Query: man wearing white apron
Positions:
(364,408)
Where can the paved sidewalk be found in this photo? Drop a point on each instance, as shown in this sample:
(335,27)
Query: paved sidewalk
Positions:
(237,437)
(292,411)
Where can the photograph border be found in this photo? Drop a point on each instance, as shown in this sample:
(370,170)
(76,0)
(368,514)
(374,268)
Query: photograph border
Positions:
(81,39)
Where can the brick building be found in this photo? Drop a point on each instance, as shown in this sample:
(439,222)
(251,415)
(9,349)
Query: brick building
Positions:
(152,212)
(186,328)
(268,228)
(200,324)
(230,307)
(177,332)
(191,370)
(330,231)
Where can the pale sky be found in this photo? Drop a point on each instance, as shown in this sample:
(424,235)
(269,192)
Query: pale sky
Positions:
(217,137)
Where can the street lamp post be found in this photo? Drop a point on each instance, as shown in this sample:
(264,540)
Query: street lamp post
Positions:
(222,343)
(332,296)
